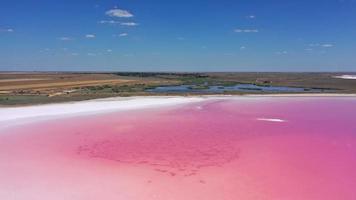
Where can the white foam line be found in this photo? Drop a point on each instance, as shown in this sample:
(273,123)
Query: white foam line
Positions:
(92,106)
(271,120)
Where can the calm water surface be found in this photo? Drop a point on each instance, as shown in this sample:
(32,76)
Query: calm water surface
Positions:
(222,89)
(239,148)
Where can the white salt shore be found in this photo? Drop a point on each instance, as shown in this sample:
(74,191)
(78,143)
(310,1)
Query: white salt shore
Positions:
(97,106)
(351,77)
(89,107)
(271,120)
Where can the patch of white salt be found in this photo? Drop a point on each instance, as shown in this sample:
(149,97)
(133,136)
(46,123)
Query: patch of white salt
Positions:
(271,120)
(352,77)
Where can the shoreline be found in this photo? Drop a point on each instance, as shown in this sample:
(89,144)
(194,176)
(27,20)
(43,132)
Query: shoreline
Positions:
(304,95)
(186,96)
(115,104)
(94,106)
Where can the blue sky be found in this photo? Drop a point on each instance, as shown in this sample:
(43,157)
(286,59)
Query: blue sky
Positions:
(161,35)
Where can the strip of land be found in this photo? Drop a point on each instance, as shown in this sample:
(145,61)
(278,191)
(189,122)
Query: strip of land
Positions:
(28,88)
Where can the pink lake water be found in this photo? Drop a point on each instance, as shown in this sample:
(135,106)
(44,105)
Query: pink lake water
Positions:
(265,148)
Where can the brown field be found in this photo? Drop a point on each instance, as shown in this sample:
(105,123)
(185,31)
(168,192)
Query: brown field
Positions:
(55,81)
(45,85)
(22,88)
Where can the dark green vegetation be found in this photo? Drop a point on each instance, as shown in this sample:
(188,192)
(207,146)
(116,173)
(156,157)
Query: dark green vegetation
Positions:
(37,88)
(324,81)
(321,81)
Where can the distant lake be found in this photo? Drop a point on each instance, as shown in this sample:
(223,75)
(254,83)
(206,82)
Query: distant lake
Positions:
(222,89)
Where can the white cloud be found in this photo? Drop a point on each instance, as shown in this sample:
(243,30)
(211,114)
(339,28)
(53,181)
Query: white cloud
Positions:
(321,45)
(109,22)
(251,16)
(246,30)
(113,22)
(7,30)
(109,50)
(119,13)
(120,35)
(251,31)
(123,34)
(327,45)
(89,36)
(65,38)
(242,48)
(129,24)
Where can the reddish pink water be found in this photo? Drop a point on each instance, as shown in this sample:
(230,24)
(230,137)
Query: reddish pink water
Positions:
(214,150)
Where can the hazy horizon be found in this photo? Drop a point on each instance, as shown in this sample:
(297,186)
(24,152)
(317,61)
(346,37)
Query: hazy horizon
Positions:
(166,71)
(170,71)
